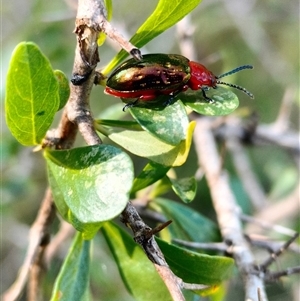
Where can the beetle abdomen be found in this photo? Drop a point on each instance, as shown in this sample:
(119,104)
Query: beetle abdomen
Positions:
(156,72)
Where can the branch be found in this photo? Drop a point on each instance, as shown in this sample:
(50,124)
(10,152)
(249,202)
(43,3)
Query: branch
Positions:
(288,139)
(226,208)
(116,36)
(269,245)
(65,232)
(38,239)
(185,31)
(274,255)
(273,276)
(246,174)
(286,208)
(143,235)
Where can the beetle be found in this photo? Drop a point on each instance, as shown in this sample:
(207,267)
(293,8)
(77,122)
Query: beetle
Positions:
(164,74)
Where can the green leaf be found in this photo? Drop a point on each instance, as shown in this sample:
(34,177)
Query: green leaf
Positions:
(169,123)
(166,14)
(72,282)
(151,173)
(88,230)
(187,223)
(225,102)
(93,182)
(32,94)
(145,145)
(137,272)
(185,188)
(64,88)
(125,124)
(193,267)
(109,8)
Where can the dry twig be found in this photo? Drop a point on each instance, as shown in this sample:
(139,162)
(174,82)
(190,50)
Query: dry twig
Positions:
(38,239)
(226,208)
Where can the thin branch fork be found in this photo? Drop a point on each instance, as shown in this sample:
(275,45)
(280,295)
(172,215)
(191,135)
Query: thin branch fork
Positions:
(227,209)
(274,255)
(144,236)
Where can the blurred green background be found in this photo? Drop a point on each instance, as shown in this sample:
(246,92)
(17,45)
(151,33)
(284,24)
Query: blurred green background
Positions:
(226,34)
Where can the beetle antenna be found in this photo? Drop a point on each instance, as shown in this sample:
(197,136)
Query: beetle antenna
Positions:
(236,87)
(234,71)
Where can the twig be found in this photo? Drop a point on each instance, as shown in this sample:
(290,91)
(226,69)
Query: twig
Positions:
(246,175)
(226,208)
(217,246)
(185,31)
(288,139)
(143,235)
(38,236)
(266,225)
(275,212)
(148,213)
(34,288)
(273,276)
(270,246)
(66,231)
(283,117)
(272,258)
(116,36)
(175,284)
(171,281)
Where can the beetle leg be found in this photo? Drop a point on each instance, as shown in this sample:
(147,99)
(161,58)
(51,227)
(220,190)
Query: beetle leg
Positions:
(169,101)
(171,98)
(136,53)
(130,105)
(206,97)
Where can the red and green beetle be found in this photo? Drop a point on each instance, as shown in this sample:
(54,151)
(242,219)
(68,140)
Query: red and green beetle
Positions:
(164,74)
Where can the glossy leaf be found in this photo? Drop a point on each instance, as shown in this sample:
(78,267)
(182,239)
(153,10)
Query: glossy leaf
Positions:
(185,145)
(109,8)
(187,223)
(88,230)
(225,102)
(169,123)
(125,124)
(193,267)
(32,94)
(72,282)
(93,182)
(64,88)
(166,14)
(161,187)
(185,188)
(151,173)
(137,272)
(146,145)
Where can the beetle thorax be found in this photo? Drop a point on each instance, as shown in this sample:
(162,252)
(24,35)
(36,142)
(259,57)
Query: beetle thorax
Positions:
(200,77)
